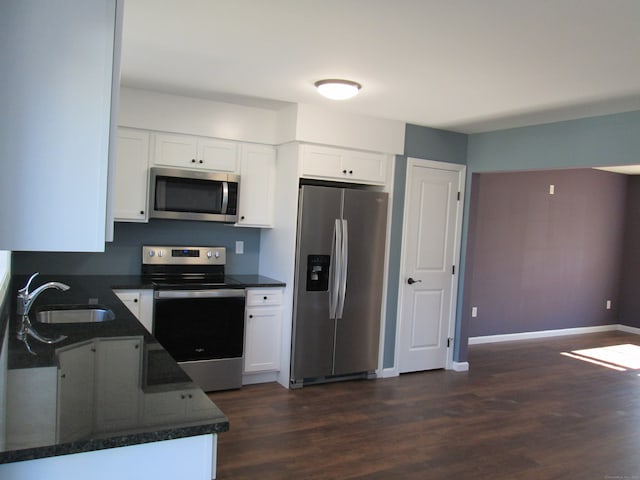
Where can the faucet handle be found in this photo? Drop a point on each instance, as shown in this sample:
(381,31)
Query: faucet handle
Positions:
(25,290)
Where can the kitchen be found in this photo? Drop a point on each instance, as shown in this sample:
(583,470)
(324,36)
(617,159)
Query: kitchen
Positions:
(253,156)
(268,251)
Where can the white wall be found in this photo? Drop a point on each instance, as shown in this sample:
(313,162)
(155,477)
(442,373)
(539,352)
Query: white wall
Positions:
(196,116)
(272,126)
(317,124)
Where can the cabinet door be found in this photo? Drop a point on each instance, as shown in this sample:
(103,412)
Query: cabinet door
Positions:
(218,155)
(54,140)
(175,150)
(263,297)
(322,162)
(76,377)
(117,382)
(257,186)
(131,299)
(262,339)
(366,167)
(131,176)
(140,303)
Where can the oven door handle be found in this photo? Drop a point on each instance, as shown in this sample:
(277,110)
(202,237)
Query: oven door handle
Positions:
(218,293)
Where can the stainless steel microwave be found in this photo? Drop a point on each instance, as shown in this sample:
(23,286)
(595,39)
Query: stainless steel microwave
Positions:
(193,195)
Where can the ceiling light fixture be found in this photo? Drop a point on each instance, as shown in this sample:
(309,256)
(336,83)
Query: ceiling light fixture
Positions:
(337,89)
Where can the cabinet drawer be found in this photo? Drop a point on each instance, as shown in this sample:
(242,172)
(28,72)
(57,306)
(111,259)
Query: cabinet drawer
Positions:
(271,296)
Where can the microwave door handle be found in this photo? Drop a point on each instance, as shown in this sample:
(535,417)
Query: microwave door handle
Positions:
(225,198)
(159,200)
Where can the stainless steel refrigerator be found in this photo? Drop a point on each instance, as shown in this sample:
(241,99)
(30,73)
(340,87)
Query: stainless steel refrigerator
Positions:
(338,285)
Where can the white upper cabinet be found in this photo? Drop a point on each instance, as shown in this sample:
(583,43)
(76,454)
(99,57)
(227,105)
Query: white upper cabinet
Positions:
(186,151)
(257,185)
(56,88)
(131,176)
(341,165)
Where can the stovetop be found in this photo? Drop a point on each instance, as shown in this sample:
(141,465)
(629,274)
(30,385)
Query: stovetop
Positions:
(193,283)
(180,267)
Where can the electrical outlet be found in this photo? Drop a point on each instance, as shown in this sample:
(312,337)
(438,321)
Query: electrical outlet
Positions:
(608,304)
(474,312)
(239,247)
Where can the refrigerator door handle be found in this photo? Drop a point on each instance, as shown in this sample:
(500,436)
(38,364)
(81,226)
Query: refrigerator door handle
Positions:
(344,262)
(334,271)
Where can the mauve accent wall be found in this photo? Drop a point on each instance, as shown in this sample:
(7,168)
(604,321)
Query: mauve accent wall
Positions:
(539,261)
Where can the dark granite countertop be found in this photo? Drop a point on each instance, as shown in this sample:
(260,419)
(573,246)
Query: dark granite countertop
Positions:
(251,281)
(119,356)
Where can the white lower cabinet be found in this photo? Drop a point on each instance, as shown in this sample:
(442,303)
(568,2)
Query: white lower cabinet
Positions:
(263,330)
(140,303)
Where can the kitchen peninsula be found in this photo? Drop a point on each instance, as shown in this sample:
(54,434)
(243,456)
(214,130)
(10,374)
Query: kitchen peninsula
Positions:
(95,405)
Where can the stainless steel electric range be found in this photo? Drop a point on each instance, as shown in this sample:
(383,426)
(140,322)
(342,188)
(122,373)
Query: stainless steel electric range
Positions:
(198,312)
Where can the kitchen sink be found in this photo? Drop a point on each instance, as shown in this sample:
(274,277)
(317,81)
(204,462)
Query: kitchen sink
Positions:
(74,314)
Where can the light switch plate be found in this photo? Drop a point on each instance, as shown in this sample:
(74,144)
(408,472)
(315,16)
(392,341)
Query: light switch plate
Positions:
(239,247)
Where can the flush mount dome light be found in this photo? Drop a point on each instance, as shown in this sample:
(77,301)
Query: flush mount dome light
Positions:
(337,89)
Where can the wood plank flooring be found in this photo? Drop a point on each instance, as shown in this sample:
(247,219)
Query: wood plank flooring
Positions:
(523,411)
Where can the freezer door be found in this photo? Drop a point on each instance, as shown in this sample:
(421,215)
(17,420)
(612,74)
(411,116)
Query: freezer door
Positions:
(313,330)
(358,331)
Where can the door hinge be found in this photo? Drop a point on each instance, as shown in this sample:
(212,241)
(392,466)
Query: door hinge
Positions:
(458,196)
(453,269)
(449,342)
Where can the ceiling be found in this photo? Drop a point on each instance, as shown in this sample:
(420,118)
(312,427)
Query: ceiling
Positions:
(463,65)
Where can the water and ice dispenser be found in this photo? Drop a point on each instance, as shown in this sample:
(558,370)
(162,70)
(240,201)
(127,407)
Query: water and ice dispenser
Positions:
(318,273)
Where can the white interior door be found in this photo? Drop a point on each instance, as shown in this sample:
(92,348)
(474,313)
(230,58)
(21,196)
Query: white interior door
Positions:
(430,248)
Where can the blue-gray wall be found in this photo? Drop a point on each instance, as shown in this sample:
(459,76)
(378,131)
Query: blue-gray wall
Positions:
(429,144)
(122,256)
(596,141)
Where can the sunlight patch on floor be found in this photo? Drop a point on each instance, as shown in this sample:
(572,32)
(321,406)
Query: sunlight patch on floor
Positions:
(616,357)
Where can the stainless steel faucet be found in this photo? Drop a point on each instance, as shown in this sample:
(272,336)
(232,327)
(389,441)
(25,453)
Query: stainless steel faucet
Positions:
(25,302)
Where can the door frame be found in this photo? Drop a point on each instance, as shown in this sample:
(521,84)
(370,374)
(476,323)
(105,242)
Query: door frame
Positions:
(457,239)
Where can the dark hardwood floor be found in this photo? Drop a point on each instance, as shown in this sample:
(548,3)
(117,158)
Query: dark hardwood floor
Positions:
(523,411)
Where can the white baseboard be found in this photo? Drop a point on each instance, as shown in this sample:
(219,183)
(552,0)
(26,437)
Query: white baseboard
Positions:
(263,377)
(387,372)
(628,329)
(460,366)
(550,333)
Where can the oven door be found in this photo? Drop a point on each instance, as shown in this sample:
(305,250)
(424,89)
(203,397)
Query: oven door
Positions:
(194,325)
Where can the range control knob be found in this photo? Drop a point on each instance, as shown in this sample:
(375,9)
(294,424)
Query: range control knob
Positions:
(217,254)
(160,253)
(151,253)
(209,254)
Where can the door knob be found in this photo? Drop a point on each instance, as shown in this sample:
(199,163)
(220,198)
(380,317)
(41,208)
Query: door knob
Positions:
(411,281)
